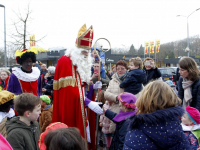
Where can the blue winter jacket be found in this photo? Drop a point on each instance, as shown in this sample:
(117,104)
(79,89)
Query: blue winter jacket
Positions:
(133,81)
(195,93)
(160,130)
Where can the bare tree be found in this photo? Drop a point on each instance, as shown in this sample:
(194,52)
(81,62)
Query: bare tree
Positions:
(21,35)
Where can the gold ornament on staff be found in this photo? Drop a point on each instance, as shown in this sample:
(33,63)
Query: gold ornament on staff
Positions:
(99,78)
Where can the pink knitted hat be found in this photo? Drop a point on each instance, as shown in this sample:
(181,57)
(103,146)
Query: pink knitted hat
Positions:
(193,114)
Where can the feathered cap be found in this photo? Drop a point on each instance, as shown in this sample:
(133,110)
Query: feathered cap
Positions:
(35,50)
(85,37)
(5,96)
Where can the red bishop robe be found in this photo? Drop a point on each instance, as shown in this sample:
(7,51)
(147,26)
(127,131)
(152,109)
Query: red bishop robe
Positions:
(68,103)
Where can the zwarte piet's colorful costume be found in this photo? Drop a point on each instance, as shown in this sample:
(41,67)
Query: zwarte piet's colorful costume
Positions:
(69,91)
(21,82)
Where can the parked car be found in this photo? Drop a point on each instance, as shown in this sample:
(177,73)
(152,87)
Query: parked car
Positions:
(166,74)
(173,71)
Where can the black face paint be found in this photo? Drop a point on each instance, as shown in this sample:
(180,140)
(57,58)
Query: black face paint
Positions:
(27,65)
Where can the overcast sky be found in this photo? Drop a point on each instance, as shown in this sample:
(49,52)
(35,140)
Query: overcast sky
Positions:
(122,22)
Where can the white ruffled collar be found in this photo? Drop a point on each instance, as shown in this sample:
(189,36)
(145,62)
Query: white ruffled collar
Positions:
(9,114)
(28,77)
(190,128)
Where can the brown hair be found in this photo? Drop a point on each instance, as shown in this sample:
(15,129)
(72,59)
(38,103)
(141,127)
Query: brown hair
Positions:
(137,61)
(65,139)
(155,96)
(190,65)
(122,63)
(26,101)
(6,71)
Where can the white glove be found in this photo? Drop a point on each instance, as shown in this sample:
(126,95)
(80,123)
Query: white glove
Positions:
(95,107)
(97,85)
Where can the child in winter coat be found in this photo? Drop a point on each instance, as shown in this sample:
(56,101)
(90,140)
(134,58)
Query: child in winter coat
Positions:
(50,127)
(171,84)
(191,126)
(6,111)
(157,123)
(48,88)
(46,114)
(23,131)
(105,124)
(127,109)
(65,139)
(135,77)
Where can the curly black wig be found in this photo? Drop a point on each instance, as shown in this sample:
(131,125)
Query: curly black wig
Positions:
(26,55)
(6,106)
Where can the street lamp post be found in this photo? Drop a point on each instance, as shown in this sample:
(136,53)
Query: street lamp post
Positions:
(124,46)
(187,48)
(5,58)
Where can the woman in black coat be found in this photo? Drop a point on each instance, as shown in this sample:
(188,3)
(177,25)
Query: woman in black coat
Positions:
(189,83)
(152,72)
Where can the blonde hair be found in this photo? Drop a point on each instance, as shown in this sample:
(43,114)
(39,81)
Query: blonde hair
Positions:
(114,66)
(137,61)
(155,96)
(6,71)
(190,65)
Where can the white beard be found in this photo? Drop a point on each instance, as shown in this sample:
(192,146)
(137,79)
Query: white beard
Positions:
(83,63)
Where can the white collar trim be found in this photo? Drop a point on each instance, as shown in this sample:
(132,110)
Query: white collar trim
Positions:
(28,77)
(190,128)
(9,114)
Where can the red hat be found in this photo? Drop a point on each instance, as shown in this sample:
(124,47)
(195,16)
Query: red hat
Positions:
(85,37)
(50,127)
(193,114)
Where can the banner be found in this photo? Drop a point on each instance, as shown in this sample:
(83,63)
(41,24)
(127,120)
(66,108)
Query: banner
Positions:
(32,40)
(146,47)
(152,47)
(33,37)
(157,46)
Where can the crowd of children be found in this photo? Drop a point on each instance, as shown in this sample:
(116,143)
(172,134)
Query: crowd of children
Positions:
(153,120)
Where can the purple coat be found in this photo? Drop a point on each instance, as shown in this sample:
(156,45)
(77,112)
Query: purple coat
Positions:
(15,87)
